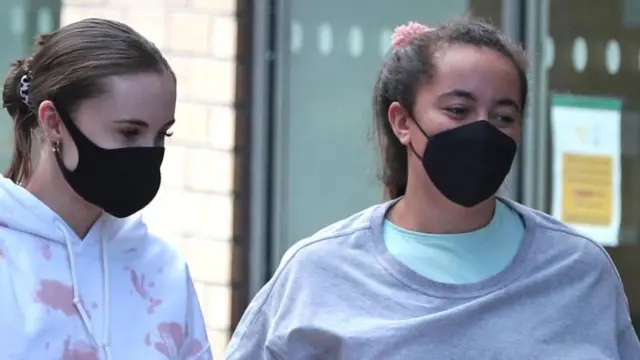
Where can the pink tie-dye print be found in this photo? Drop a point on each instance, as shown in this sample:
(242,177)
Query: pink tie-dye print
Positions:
(141,288)
(172,337)
(173,342)
(56,296)
(45,249)
(79,351)
(193,348)
(138,284)
(153,304)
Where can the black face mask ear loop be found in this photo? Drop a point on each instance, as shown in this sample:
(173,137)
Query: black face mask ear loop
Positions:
(413,149)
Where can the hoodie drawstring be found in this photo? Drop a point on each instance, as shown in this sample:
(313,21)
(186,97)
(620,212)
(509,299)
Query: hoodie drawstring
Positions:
(105,346)
(106,341)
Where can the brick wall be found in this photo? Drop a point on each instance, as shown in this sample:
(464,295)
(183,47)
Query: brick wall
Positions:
(195,206)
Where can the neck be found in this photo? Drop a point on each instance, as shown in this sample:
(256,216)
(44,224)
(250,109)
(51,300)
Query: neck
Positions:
(50,187)
(424,209)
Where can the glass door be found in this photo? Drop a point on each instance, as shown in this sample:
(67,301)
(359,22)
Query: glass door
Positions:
(589,61)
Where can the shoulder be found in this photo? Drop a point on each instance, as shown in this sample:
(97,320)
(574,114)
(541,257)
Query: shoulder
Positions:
(345,242)
(335,239)
(558,243)
(139,245)
(162,250)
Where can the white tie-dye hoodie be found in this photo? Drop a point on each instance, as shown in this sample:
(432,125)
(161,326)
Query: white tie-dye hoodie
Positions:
(118,294)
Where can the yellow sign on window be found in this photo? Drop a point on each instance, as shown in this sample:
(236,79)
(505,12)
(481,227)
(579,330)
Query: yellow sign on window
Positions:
(587,182)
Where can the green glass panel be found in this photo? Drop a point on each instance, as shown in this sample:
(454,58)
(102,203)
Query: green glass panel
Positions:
(20,21)
(326,157)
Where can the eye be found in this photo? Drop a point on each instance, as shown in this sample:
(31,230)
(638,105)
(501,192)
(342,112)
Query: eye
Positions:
(130,134)
(506,119)
(167,134)
(457,111)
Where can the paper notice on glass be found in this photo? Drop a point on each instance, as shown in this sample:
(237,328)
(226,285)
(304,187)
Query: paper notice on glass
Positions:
(587,165)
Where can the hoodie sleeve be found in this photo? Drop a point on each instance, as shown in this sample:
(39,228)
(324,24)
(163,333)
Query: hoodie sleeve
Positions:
(197,345)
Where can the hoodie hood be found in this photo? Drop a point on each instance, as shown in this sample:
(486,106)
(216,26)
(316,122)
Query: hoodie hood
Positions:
(23,212)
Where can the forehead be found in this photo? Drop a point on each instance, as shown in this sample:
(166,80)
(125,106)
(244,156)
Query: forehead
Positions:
(150,97)
(485,73)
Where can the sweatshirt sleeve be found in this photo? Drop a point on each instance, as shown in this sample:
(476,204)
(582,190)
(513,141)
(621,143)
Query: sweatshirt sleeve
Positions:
(626,338)
(197,345)
(262,333)
(251,340)
(628,344)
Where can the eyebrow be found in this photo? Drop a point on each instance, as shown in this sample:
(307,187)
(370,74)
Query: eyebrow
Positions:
(143,123)
(469,96)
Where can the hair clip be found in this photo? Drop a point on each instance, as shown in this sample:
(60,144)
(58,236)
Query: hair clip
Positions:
(403,34)
(25,83)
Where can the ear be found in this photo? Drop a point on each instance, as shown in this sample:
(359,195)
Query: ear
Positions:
(50,122)
(399,119)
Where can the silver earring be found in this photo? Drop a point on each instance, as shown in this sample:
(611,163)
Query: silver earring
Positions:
(56,147)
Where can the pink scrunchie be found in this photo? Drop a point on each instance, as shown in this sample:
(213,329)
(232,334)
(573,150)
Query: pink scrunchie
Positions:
(403,34)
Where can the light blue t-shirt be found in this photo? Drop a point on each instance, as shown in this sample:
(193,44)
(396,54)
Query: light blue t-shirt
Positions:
(340,294)
(459,258)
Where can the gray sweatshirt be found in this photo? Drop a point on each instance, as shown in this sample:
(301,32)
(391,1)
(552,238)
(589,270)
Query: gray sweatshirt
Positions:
(340,295)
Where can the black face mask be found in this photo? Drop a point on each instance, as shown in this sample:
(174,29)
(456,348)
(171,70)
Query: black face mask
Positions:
(468,163)
(119,181)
